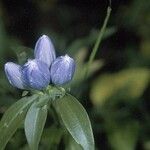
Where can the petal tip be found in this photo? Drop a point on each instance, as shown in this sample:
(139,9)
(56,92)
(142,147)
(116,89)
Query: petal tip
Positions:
(14,75)
(44,36)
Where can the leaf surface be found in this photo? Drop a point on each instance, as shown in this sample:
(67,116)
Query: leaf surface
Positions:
(13,118)
(34,124)
(76,121)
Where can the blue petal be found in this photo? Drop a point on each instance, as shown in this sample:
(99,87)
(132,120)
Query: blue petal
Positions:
(62,70)
(36,74)
(44,50)
(14,74)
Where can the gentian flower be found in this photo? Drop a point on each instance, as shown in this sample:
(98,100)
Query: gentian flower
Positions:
(14,74)
(62,70)
(44,50)
(36,74)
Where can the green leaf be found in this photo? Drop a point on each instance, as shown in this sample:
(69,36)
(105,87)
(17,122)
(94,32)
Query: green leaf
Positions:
(128,84)
(34,124)
(13,118)
(124,137)
(75,120)
(73,145)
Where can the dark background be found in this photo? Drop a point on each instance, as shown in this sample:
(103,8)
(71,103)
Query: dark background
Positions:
(122,119)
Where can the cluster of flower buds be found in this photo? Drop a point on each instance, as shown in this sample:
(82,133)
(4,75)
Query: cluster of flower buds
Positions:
(45,69)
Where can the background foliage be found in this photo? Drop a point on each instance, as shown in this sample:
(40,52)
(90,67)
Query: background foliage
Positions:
(116,94)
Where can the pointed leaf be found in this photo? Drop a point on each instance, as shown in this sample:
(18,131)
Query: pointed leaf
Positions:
(73,145)
(13,118)
(34,124)
(76,121)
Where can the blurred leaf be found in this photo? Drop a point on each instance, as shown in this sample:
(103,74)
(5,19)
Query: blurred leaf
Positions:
(34,124)
(125,137)
(147,145)
(129,83)
(8,93)
(89,40)
(6,100)
(79,73)
(81,65)
(23,53)
(13,118)
(136,17)
(51,137)
(75,120)
(16,141)
(5,84)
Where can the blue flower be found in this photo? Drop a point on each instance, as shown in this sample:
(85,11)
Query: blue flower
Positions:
(35,74)
(62,70)
(44,50)
(14,74)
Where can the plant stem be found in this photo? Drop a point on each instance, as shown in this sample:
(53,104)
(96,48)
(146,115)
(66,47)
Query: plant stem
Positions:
(98,41)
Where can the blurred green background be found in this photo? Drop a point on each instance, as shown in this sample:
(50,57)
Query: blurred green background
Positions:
(116,94)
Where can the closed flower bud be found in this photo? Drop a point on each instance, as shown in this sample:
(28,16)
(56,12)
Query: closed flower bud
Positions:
(62,70)
(14,75)
(44,50)
(36,74)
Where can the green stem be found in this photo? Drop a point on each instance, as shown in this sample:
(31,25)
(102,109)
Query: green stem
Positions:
(98,41)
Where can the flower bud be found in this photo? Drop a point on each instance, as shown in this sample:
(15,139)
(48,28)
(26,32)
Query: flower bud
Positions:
(62,70)
(14,75)
(36,74)
(44,50)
